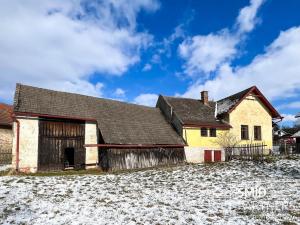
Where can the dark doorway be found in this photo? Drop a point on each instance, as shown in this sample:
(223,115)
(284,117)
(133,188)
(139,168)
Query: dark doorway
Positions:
(69,157)
(61,144)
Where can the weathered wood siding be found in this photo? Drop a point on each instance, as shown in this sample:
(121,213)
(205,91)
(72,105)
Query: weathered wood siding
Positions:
(5,144)
(54,138)
(121,159)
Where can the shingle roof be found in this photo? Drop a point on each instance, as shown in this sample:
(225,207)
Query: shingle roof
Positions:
(225,104)
(5,114)
(119,122)
(296,135)
(192,111)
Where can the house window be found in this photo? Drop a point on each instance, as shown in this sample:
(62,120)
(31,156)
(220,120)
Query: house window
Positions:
(213,132)
(244,132)
(204,132)
(257,133)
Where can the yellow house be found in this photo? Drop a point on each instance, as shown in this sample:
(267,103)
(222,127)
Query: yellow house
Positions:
(246,116)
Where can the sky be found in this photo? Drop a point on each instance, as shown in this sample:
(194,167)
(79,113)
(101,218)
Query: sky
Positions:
(135,50)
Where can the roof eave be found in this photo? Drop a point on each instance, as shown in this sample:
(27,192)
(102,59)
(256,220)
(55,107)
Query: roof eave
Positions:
(224,126)
(273,111)
(52,116)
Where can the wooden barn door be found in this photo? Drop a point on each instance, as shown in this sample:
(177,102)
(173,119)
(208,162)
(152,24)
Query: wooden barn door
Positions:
(55,139)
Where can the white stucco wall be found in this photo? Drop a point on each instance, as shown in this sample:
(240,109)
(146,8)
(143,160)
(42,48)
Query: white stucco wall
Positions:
(196,154)
(91,137)
(28,144)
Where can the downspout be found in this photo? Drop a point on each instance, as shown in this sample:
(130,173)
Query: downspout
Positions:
(17,145)
(17,142)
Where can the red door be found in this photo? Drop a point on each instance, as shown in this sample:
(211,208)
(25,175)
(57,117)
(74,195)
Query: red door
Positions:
(207,156)
(217,156)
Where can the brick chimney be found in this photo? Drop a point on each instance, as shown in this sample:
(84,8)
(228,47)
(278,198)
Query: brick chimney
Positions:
(204,97)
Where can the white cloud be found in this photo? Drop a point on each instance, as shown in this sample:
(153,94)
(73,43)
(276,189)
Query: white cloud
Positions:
(58,44)
(276,72)
(288,118)
(206,53)
(146,99)
(119,92)
(247,16)
(291,105)
(164,48)
(147,67)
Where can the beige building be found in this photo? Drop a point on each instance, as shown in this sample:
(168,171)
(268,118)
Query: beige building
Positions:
(58,130)
(244,117)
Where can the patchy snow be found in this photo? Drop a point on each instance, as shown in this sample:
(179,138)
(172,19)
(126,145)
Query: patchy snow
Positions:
(5,167)
(191,194)
(224,105)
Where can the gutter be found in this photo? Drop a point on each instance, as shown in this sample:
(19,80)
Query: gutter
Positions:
(225,126)
(135,146)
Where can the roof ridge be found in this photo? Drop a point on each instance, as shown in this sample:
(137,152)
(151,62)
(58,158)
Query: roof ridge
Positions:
(72,93)
(237,93)
(199,100)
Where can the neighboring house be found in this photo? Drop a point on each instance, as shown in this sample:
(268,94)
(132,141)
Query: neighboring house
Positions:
(297,136)
(57,130)
(247,115)
(284,135)
(5,132)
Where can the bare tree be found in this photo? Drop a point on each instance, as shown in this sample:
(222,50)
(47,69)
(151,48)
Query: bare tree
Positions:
(228,141)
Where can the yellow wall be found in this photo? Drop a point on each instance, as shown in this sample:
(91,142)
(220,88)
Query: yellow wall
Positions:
(194,139)
(249,112)
(252,112)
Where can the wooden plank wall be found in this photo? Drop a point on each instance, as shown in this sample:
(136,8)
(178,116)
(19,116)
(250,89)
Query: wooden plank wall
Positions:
(54,138)
(122,159)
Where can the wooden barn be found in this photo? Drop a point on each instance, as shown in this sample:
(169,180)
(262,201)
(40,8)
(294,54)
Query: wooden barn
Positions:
(5,133)
(58,130)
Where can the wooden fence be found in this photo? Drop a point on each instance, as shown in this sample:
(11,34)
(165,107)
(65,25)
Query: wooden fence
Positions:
(5,156)
(255,151)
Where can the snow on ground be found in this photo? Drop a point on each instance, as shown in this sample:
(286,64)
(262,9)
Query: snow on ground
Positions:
(190,194)
(5,167)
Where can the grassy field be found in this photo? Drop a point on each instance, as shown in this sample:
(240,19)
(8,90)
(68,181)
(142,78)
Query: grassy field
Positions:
(224,193)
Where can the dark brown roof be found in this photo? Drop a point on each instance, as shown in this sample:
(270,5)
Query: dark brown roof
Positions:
(5,115)
(226,105)
(194,112)
(119,122)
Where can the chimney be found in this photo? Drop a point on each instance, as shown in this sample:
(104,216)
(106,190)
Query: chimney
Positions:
(204,97)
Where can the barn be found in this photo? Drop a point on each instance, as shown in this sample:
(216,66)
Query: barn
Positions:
(5,133)
(57,130)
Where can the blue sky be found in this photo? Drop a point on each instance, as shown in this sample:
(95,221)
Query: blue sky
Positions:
(134,50)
